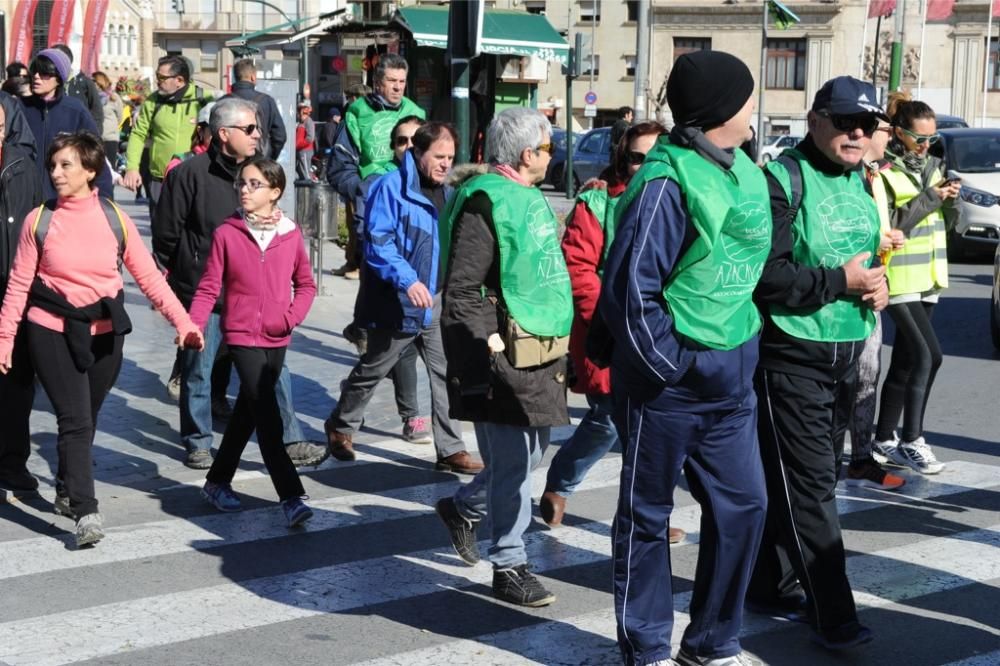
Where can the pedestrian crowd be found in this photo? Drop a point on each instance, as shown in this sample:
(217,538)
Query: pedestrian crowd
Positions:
(722,320)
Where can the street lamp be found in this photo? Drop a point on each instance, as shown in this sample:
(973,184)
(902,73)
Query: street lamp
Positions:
(304,60)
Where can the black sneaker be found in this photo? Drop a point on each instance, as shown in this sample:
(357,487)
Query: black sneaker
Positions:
(18,481)
(843,637)
(61,506)
(793,608)
(519,586)
(461,530)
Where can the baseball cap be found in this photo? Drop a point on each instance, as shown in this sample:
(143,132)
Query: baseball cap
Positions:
(848,96)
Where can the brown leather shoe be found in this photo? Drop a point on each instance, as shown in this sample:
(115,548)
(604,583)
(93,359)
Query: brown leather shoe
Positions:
(460,463)
(676,535)
(552,507)
(341,446)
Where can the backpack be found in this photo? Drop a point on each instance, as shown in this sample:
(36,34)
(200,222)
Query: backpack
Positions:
(40,227)
(199,98)
(794,170)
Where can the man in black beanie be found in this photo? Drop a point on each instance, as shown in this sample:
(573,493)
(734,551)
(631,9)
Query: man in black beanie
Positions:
(693,230)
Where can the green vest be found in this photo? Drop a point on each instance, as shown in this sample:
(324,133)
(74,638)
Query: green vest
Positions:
(922,264)
(836,221)
(533,275)
(603,208)
(710,292)
(371,132)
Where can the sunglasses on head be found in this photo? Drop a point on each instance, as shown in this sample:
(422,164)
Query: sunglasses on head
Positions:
(247,129)
(866,122)
(635,158)
(403,141)
(921,139)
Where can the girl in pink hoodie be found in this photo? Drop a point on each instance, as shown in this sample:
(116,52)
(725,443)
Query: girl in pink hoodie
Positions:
(69,289)
(259,262)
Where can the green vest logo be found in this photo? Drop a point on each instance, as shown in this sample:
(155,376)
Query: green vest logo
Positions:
(377,144)
(846,223)
(745,240)
(542,229)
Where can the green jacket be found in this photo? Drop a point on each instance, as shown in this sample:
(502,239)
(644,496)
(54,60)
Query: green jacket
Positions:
(168,127)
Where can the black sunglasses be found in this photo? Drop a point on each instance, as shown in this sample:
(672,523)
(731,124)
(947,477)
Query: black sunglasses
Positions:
(635,158)
(249,129)
(403,141)
(866,122)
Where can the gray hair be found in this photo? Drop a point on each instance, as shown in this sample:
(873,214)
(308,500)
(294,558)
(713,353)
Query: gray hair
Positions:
(226,113)
(389,61)
(513,130)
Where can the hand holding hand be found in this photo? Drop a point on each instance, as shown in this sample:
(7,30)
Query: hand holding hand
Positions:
(132,180)
(419,295)
(898,238)
(192,340)
(877,299)
(861,280)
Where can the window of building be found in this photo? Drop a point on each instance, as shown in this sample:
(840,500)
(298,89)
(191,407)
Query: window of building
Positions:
(534,6)
(132,39)
(592,63)
(786,64)
(684,45)
(630,65)
(632,10)
(590,11)
(209,59)
(994,64)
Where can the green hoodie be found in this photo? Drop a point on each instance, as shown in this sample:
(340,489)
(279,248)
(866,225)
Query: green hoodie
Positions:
(168,125)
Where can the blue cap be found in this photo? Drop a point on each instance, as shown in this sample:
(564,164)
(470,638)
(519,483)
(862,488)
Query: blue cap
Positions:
(848,96)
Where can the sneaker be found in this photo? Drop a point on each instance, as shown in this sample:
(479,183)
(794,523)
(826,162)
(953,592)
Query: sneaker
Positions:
(19,481)
(343,270)
(917,455)
(221,496)
(791,608)
(517,585)
(304,454)
(358,337)
(415,430)
(461,530)
(199,459)
(881,450)
(869,474)
(61,506)
(221,409)
(353,275)
(843,637)
(174,388)
(89,530)
(685,658)
(296,511)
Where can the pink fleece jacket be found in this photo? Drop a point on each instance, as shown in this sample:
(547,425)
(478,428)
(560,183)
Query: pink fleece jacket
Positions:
(80,262)
(267,293)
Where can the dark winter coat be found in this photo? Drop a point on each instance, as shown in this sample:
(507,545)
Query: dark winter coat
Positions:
(20,193)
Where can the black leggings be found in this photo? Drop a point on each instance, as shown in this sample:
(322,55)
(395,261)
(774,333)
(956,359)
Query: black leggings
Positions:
(77,398)
(257,409)
(916,357)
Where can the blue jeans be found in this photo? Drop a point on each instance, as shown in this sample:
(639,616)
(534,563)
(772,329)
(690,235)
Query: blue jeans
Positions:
(591,440)
(503,488)
(196,394)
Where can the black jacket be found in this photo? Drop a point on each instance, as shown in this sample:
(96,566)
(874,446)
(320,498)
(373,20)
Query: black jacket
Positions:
(482,386)
(273,135)
(20,192)
(18,131)
(198,197)
(84,89)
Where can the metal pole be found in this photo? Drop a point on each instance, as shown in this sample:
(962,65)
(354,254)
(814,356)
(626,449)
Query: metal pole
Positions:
(864,41)
(878,33)
(568,169)
(923,41)
(896,64)
(641,61)
(460,106)
(986,61)
(762,84)
(593,49)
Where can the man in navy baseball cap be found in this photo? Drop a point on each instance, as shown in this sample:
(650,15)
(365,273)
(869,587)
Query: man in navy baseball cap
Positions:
(848,96)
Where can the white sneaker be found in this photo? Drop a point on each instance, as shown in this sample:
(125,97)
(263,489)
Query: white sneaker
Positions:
(89,530)
(917,455)
(882,450)
(683,658)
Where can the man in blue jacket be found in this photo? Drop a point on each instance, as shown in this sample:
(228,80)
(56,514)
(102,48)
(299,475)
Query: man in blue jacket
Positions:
(403,304)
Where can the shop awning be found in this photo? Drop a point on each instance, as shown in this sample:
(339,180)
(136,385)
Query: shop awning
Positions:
(504,32)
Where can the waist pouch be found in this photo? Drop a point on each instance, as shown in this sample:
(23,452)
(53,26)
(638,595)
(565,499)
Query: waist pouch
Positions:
(527,350)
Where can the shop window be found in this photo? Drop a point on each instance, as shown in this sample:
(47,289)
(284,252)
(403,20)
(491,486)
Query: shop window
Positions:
(786,64)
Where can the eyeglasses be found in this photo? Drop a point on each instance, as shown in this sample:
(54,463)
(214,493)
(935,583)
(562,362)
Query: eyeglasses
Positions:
(635,158)
(253,184)
(160,78)
(921,139)
(248,130)
(866,122)
(403,141)
(547,147)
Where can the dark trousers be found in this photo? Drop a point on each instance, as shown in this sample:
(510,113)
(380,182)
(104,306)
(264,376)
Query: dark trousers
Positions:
(257,409)
(352,253)
(801,427)
(77,398)
(222,368)
(111,151)
(17,393)
(718,453)
(916,357)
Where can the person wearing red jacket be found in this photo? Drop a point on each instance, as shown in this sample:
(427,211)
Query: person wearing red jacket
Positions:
(585,245)
(258,262)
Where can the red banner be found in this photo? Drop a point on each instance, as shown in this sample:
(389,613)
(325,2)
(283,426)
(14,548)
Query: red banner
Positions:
(996,7)
(881,8)
(939,10)
(61,22)
(93,32)
(21,28)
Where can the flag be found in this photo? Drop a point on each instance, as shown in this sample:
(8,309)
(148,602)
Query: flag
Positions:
(881,8)
(939,10)
(61,22)
(784,17)
(21,30)
(93,31)
(996,7)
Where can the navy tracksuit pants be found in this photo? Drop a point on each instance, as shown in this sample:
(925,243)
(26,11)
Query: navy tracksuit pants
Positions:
(719,454)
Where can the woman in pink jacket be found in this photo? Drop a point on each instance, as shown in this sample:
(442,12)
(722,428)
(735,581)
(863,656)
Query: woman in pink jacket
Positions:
(259,260)
(66,282)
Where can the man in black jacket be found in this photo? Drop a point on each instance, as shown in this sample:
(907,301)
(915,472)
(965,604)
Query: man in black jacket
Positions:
(198,197)
(17,132)
(20,192)
(84,89)
(272,132)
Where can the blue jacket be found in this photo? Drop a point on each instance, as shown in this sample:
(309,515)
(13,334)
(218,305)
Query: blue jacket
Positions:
(651,359)
(401,247)
(47,119)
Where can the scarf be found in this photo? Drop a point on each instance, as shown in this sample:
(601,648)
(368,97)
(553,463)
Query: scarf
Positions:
(900,157)
(263,222)
(507,171)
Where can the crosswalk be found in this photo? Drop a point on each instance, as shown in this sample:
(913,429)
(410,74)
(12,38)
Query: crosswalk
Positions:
(373,581)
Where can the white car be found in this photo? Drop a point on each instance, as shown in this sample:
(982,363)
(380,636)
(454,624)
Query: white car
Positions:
(995,302)
(775,145)
(974,154)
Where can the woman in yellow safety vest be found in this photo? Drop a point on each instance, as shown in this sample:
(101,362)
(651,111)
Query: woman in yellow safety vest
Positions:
(919,197)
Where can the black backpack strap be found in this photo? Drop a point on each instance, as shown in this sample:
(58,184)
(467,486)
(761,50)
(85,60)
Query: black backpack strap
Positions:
(40,227)
(117,223)
(794,170)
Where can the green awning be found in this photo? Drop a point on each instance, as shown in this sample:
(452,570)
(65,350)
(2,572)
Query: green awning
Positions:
(505,32)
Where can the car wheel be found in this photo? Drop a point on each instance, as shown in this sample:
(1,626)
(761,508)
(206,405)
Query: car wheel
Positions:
(994,325)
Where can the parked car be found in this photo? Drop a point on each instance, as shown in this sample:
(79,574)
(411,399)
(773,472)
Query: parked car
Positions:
(950,122)
(995,302)
(974,154)
(590,157)
(775,145)
(559,156)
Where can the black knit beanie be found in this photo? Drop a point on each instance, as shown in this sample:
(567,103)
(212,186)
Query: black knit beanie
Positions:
(707,88)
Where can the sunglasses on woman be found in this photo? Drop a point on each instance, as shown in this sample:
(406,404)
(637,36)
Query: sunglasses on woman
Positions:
(921,139)
(403,141)
(635,158)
